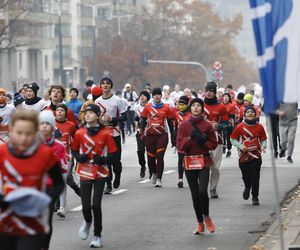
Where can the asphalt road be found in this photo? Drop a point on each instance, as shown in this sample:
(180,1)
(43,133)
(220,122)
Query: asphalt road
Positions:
(140,216)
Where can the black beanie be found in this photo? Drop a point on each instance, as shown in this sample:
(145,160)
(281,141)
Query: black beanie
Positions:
(240,96)
(18,99)
(34,87)
(212,86)
(145,93)
(184,99)
(250,107)
(199,101)
(108,80)
(74,89)
(62,105)
(156,91)
(94,108)
(89,83)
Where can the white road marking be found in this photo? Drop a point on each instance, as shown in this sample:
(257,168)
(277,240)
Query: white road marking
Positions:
(169,172)
(119,191)
(144,181)
(76,209)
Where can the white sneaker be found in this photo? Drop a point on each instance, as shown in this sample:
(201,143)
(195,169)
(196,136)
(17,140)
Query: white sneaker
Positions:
(84,230)
(154,178)
(158,183)
(61,213)
(96,242)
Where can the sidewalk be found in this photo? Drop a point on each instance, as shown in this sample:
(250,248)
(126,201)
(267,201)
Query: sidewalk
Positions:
(291,226)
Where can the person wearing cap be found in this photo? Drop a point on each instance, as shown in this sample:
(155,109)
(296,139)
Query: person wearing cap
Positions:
(180,116)
(96,92)
(154,131)
(196,138)
(74,104)
(131,97)
(113,111)
(216,113)
(64,132)
(93,148)
(32,101)
(141,148)
(248,98)
(23,153)
(6,112)
(250,138)
(47,128)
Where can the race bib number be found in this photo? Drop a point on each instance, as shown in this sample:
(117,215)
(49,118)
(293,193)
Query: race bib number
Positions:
(194,162)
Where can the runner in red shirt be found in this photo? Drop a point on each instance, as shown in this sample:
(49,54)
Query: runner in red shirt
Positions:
(21,165)
(180,116)
(239,105)
(250,139)
(93,148)
(248,102)
(216,113)
(156,134)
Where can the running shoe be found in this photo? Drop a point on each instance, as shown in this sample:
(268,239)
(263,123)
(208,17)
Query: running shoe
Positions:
(84,230)
(214,194)
(158,183)
(290,160)
(228,154)
(108,189)
(116,183)
(61,213)
(255,201)
(180,183)
(282,153)
(209,224)
(143,172)
(199,229)
(154,178)
(96,242)
(246,193)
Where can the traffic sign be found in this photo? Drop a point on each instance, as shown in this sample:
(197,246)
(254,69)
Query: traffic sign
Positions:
(217,75)
(217,65)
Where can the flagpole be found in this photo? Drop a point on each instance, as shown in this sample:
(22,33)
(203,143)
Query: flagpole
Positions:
(275,180)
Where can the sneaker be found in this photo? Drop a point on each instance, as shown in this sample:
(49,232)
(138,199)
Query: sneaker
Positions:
(290,160)
(116,183)
(255,201)
(214,194)
(154,178)
(209,224)
(180,183)
(276,155)
(282,153)
(61,213)
(108,189)
(199,229)
(84,230)
(96,242)
(143,172)
(158,183)
(246,193)
(224,150)
(228,154)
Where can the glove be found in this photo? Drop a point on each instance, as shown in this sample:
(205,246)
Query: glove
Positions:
(82,158)
(99,160)
(57,133)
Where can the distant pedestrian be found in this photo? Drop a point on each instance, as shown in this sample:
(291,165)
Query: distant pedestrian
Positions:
(74,104)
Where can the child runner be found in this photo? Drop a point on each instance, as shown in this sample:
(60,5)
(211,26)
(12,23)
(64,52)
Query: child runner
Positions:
(21,165)
(250,138)
(180,116)
(93,148)
(196,137)
(156,140)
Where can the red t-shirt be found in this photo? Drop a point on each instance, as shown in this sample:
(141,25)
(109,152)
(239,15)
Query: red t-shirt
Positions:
(25,172)
(181,118)
(156,118)
(244,132)
(70,115)
(99,144)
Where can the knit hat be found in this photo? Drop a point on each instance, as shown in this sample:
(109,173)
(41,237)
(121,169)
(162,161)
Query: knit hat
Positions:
(127,85)
(250,107)
(2,90)
(222,90)
(62,105)
(240,96)
(48,117)
(199,101)
(248,98)
(94,108)
(107,79)
(34,87)
(74,89)
(89,83)
(18,99)
(145,93)
(211,86)
(184,99)
(97,91)
(156,91)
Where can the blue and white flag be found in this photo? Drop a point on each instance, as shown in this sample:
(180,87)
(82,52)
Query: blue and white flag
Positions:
(276,26)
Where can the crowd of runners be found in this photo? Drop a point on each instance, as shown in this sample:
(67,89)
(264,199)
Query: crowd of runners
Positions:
(85,138)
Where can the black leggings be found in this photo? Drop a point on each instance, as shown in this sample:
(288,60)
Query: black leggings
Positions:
(198,183)
(116,166)
(86,188)
(180,165)
(30,242)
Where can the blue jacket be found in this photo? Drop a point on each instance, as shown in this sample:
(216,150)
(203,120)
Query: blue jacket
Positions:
(75,105)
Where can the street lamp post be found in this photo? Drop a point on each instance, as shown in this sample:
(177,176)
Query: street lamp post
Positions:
(62,77)
(119,21)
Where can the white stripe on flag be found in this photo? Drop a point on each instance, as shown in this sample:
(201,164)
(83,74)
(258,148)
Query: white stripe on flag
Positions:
(267,56)
(261,11)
